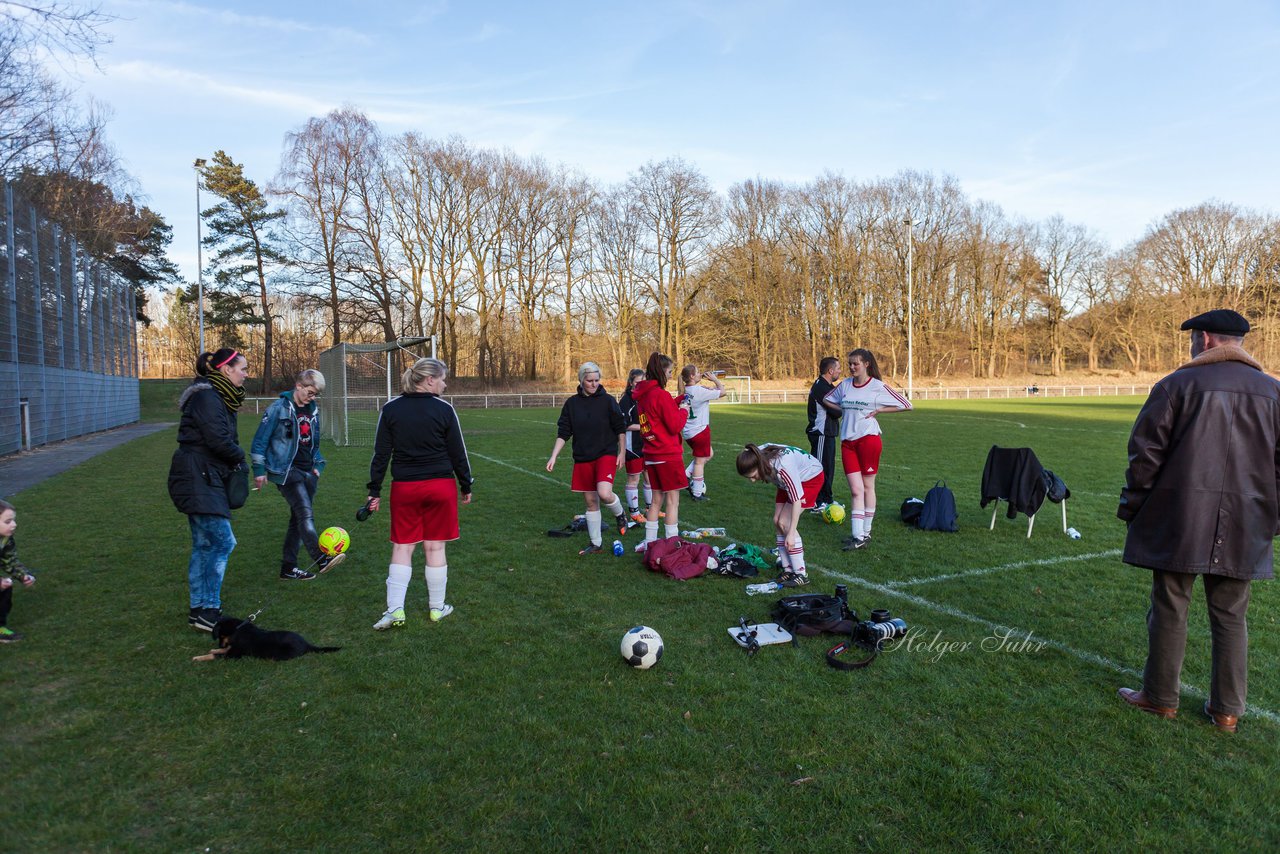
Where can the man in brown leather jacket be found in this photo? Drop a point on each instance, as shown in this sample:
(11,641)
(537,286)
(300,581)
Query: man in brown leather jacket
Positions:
(1202,497)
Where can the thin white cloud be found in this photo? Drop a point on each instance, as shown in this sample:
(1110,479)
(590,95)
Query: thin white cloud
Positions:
(157,75)
(268,23)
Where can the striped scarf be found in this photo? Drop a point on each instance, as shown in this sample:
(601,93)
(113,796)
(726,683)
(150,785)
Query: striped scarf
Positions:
(233,397)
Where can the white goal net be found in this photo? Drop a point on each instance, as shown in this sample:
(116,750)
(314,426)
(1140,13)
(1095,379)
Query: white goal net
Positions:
(359,379)
(736,390)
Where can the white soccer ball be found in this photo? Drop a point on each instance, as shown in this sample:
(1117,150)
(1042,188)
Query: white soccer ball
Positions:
(642,647)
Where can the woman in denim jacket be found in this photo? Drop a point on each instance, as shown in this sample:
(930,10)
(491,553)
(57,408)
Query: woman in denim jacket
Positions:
(286,451)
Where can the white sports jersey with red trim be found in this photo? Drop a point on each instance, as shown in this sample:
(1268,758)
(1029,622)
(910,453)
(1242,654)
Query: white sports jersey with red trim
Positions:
(858,401)
(792,468)
(700,398)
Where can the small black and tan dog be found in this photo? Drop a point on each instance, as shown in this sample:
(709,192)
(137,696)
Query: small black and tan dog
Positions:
(240,638)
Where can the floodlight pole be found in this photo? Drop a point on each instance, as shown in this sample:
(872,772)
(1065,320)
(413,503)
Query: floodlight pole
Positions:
(910,224)
(199,257)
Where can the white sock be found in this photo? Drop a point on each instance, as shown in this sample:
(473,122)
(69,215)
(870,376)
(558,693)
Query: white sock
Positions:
(855,525)
(698,486)
(672,530)
(867,516)
(688,470)
(650,531)
(796,556)
(437,581)
(398,578)
(648,493)
(782,552)
(593,526)
(616,507)
(633,498)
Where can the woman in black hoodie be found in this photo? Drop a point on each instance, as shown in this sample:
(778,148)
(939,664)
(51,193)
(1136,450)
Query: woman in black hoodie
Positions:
(208,457)
(595,423)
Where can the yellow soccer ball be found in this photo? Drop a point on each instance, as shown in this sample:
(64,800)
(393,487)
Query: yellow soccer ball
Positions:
(833,513)
(334,541)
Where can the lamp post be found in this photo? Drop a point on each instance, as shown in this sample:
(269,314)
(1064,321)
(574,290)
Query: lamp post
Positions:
(199,257)
(909,222)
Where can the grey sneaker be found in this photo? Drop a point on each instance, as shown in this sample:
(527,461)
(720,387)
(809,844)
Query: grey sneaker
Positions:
(390,619)
(328,562)
(295,574)
(438,614)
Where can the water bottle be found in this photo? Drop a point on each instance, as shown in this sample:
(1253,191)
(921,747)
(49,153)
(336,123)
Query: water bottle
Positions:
(1073,533)
(617,548)
(695,534)
(766,587)
(712,532)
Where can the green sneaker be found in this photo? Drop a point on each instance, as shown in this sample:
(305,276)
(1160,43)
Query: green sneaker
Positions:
(438,614)
(8,635)
(390,619)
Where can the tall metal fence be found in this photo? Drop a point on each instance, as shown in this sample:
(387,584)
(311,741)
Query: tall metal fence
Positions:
(68,351)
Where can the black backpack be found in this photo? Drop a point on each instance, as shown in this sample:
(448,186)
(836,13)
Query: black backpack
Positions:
(938,513)
(910,511)
(811,614)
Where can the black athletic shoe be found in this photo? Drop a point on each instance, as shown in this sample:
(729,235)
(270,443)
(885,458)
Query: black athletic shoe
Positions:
(295,574)
(592,549)
(204,619)
(855,543)
(328,562)
(793,579)
(623,522)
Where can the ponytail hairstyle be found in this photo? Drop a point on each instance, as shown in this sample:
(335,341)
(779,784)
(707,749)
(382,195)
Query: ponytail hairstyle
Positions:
(419,371)
(689,374)
(759,461)
(658,369)
(873,370)
(634,376)
(207,363)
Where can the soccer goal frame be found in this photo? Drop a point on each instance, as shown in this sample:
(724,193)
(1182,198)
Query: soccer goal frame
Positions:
(359,380)
(736,390)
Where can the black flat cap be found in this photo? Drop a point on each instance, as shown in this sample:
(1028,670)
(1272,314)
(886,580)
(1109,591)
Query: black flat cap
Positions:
(1221,321)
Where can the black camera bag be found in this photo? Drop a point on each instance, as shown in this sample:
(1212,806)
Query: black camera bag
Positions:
(810,614)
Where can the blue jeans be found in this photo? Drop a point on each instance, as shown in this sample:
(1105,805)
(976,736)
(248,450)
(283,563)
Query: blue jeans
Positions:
(299,490)
(211,545)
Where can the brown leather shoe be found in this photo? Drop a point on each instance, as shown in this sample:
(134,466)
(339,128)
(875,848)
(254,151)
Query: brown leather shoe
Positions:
(1139,699)
(1224,722)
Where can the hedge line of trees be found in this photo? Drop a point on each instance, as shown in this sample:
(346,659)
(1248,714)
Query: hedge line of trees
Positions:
(522,269)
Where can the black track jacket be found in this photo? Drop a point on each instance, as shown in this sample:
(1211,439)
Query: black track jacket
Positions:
(420,436)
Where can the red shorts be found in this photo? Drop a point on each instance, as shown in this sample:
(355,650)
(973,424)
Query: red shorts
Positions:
(700,444)
(635,465)
(666,474)
(587,475)
(811,488)
(861,455)
(424,510)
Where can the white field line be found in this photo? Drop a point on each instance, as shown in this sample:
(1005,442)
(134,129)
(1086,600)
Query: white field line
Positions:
(994,628)
(969,573)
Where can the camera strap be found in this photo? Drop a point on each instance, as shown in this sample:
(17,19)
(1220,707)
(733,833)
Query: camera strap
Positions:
(842,647)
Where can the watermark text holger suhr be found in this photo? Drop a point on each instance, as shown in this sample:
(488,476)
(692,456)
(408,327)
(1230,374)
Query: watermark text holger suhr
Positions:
(935,647)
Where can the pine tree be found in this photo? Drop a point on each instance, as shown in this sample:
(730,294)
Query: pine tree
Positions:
(244,245)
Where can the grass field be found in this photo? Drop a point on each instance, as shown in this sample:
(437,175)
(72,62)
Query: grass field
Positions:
(514,724)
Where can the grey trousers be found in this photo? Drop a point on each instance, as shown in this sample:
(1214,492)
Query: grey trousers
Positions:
(1228,600)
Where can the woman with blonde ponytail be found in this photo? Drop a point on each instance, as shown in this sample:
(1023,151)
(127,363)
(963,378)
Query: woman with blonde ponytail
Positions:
(420,436)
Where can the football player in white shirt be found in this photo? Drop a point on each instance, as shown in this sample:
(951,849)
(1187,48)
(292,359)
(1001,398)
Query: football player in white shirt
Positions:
(697,430)
(860,398)
(798,477)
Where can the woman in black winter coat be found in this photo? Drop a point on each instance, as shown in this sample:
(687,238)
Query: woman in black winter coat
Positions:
(207,461)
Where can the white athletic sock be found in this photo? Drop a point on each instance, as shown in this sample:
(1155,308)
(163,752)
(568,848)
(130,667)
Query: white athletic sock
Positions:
(650,531)
(782,552)
(398,578)
(672,530)
(616,507)
(698,486)
(688,470)
(593,526)
(855,525)
(796,556)
(437,581)
(867,516)
(648,493)
(633,498)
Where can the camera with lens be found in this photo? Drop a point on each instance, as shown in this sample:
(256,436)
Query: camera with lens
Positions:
(364,511)
(871,634)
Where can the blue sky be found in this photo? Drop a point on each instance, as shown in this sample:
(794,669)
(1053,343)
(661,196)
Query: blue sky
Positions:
(1109,113)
